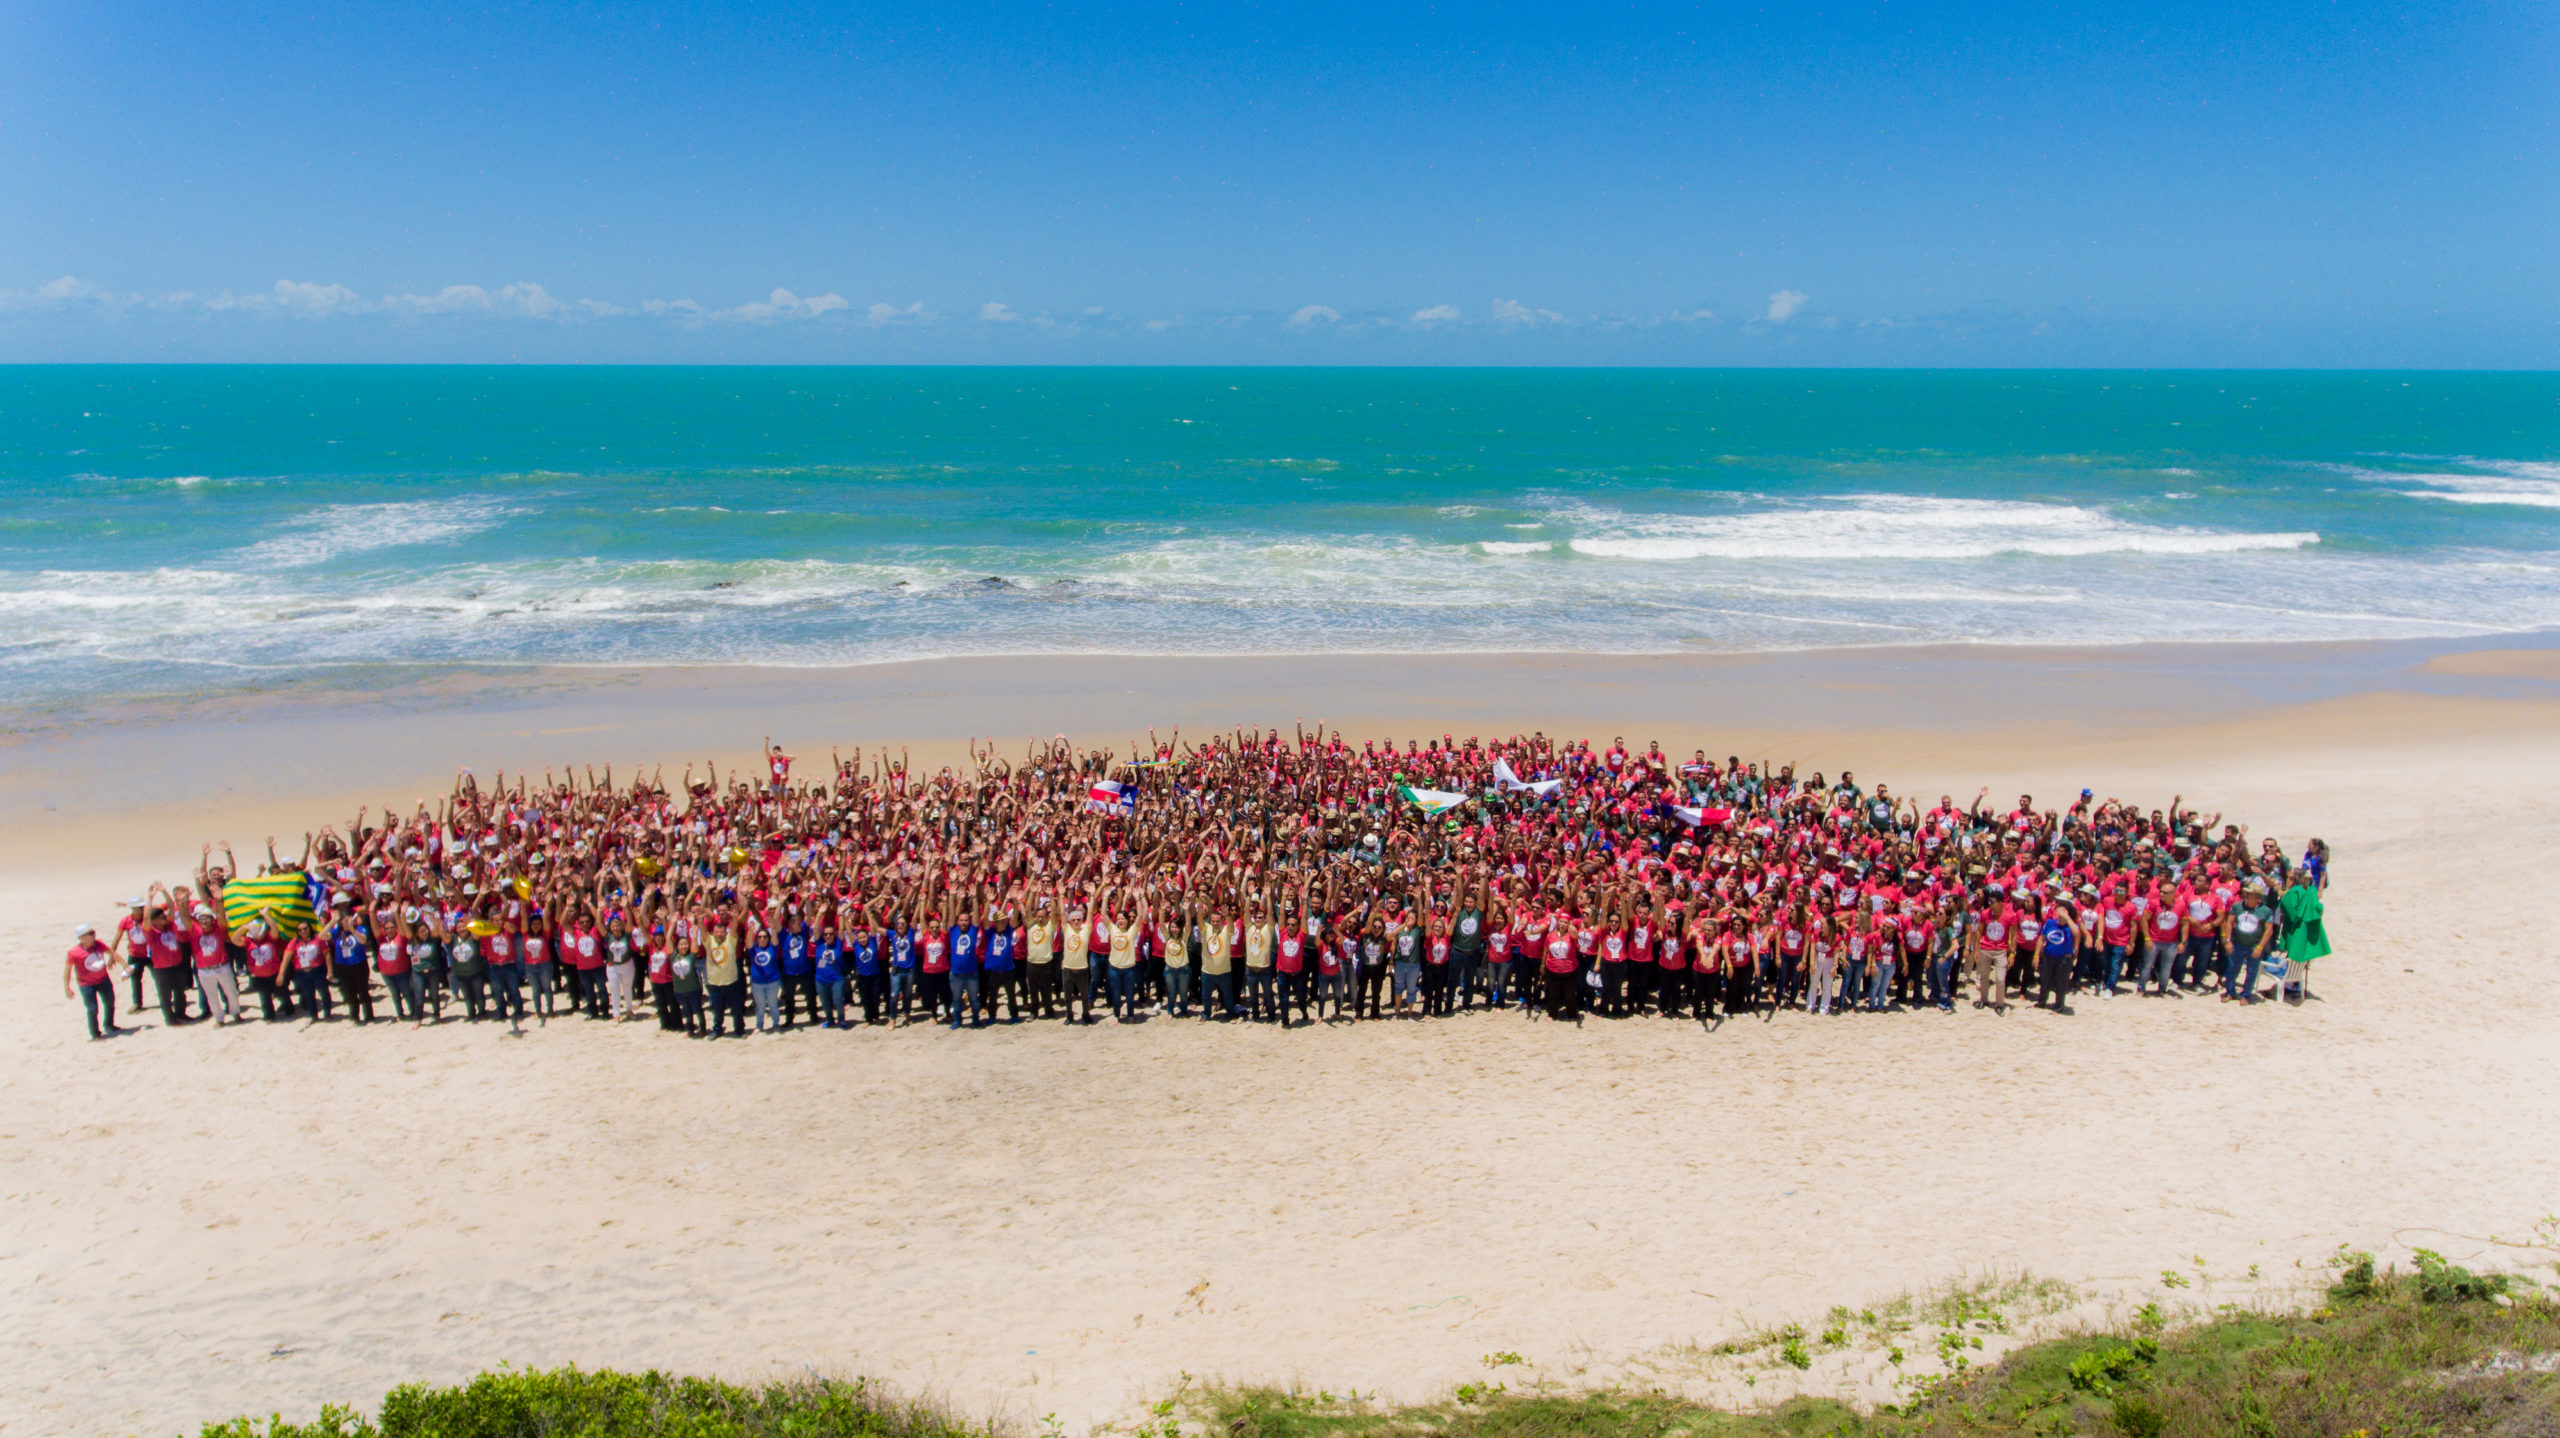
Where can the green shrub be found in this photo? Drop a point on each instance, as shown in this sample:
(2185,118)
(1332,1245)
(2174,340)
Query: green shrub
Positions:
(2100,1369)
(2135,1418)
(574,1403)
(2356,1282)
(2441,1282)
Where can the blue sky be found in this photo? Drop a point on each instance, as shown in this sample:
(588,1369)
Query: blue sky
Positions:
(2269,184)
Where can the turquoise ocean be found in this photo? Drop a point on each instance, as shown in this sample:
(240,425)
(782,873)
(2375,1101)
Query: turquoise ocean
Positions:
(178,530)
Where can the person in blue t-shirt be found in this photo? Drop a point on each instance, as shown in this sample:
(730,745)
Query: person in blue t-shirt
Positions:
(350,954)
(2057,949)
(902,970)
(1003,980)
(799,980)
(764,977)
(964,967)
(868,979)
(827,952)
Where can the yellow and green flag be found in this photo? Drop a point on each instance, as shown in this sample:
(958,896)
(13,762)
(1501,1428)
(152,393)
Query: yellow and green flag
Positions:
(288,893)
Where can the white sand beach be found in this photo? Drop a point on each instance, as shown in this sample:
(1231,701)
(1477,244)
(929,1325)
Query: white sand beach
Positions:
(1025,1221)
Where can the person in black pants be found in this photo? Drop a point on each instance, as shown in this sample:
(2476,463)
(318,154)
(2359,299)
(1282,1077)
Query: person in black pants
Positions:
(2057,953)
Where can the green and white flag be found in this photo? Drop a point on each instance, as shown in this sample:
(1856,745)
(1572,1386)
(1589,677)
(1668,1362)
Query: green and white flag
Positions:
(1432,802)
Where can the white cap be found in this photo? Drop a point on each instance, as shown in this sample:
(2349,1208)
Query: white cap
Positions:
(85,931)
(134,903)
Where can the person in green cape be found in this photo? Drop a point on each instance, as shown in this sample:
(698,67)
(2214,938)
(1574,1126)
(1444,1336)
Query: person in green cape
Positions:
(2306,934)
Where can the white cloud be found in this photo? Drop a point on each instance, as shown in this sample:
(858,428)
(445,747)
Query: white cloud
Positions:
(1315,314)
(888,314)
(65,292)
(524,299)
(1437,314)
(997,313)
(1511,314)
(784,305)
(671,307)
(292,297)
(1784,304)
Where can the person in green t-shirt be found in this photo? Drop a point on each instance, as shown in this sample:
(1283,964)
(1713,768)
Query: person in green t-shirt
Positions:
(2306,933)
(2248,931)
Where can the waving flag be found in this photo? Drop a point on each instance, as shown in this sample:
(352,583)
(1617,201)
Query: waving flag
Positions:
(1111,796)
(287,893)
(1511,783)
(1695,817)
(1432,802)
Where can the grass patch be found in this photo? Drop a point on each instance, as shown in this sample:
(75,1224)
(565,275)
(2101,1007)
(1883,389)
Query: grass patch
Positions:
(574,1403)
(2436,1351)
(2431,1352)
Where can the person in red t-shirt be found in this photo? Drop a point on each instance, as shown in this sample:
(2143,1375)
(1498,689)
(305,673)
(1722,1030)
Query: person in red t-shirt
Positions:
(208,941)
(170,975)
(2164,940)
(265,950)
(1994,935)
(91,968)
(133,940)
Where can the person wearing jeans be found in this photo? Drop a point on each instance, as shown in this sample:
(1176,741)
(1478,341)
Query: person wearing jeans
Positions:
(470,974)
(91,968)
(2164,940)
(506,987)
(403,988)
(966,968)
(2248,928)
(827,959)
(764,975)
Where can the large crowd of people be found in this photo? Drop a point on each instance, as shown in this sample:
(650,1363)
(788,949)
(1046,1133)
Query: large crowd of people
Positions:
(1255,876)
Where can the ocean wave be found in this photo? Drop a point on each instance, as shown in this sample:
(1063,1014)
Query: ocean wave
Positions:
(2530,484)
(1898,527)
(1228,595)
(336,530)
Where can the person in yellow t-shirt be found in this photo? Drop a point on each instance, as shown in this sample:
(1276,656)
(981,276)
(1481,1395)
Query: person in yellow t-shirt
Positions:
(1217,961)
(1262,989)
(720,969)
(1040,956)
(1177,963)
(1075,967)
(1128,920)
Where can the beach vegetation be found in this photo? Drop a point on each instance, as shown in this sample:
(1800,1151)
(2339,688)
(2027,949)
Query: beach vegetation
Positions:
(601,1403)
(2435,1350)
(2414,1353)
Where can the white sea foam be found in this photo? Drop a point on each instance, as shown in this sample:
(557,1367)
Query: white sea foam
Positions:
(1882,527)
(2514,489)
(340,529)
(2532,484)
(1754,573)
